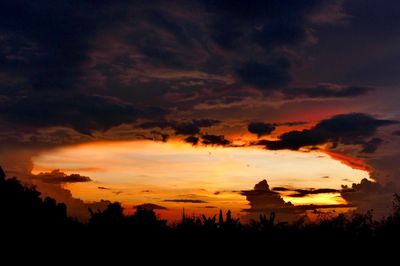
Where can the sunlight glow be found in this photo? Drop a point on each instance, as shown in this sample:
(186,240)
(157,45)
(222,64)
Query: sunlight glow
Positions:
(135,172)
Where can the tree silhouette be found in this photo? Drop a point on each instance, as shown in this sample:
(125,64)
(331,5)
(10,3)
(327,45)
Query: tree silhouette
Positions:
(24,213)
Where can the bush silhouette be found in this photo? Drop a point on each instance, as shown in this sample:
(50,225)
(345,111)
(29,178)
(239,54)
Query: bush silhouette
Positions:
(25,213)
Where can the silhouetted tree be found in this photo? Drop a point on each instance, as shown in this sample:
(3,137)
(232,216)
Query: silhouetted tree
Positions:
(24,212)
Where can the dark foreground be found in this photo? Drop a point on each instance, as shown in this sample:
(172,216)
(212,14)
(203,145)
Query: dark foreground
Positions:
(29,223)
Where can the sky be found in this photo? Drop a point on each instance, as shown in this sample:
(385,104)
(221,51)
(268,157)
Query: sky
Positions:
(192,104)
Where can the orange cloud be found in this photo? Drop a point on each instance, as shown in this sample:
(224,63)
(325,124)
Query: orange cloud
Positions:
(355,163)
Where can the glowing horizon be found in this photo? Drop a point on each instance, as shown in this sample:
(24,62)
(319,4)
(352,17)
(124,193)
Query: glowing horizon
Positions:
(136,172)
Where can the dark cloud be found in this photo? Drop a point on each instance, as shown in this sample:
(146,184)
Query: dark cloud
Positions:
(261,198)
(270,24)
(84,113)
(50,42)
(117,192)
(265,30)
(185,201)
(181,128)
(160,136)
(214,140)
(186,129)
(291,124)
(266,76)
(116,57)
(263,129)
(396,133)
(369,195)
(371,145)
(326,91)
(192,139)
(260,129)
(150,206)
(95,65)
(194,127)
(346,128)
(162,124)
(263,201)
(316,208)
(58,177)
(304,192)
(205,122)
(280,189)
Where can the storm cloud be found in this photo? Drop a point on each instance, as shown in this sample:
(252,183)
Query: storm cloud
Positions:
(351,128)
(84,113)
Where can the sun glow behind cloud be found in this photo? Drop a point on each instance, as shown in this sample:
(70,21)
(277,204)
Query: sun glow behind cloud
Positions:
(135,172)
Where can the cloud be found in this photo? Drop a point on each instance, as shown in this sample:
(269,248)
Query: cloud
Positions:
(84,113)
(111,66)
(192,139)
(103,188)
(185,201)
(150,206)
(206,122)
(75,207)
(193,127)
(214,140)
(260,129)
(17,162)
(51,44)
(280,189)
(351,161)
(304,192)
(269,24)
(264,31)
(396,133)
(371,145)
(162,124)
(265,76)
(186,129)
(264,201)
(291,124)
(326,91)
(160,136)
(58,177)
(369,195)
(350,128)
(261,198)
(181,128)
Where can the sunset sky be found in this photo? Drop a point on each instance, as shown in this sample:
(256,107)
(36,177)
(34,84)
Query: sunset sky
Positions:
(192,104)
